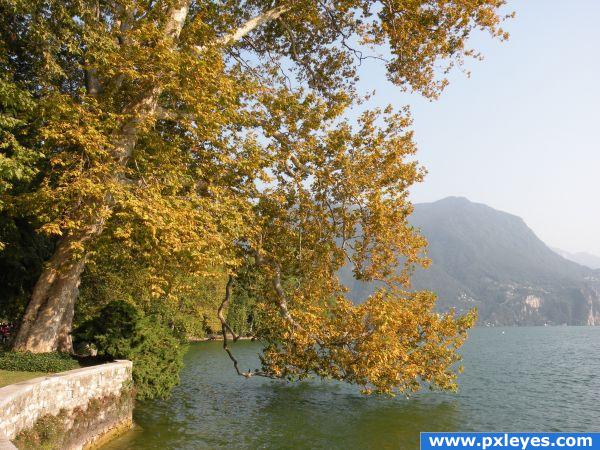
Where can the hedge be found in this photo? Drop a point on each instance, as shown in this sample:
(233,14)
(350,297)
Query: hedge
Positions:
(37,362)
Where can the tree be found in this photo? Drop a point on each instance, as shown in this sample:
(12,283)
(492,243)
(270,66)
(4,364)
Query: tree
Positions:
(213,134)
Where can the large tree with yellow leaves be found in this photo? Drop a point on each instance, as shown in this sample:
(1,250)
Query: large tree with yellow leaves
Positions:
(210,135)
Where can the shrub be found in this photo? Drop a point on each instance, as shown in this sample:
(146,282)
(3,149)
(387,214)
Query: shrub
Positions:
(46,434)
(121,331)
(37,362)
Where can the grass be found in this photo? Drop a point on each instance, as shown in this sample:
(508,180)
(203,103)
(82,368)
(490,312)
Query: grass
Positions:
(10,377)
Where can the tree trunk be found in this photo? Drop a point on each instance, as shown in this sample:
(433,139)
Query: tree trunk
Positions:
(46,325)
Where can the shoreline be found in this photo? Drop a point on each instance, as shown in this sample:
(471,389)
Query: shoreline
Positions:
(219,337)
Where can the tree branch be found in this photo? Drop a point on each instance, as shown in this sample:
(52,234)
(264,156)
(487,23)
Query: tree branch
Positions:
(249,26)
(225,328)
(224,304)
(92,84)
(282,302)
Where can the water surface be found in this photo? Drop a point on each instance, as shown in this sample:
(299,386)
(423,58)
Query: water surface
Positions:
(516,379)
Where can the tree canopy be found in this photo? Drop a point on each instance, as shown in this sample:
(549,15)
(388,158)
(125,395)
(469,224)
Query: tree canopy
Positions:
(210,140)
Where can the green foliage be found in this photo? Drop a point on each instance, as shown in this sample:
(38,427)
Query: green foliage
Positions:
(184,301)
(22,251)
(37,362)
(17,162)
(21,262)
(243,316)
(121,331)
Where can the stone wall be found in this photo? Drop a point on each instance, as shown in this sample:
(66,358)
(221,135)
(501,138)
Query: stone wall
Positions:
(67,394)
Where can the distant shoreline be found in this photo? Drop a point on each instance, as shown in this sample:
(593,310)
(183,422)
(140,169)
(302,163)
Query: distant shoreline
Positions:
(219,337)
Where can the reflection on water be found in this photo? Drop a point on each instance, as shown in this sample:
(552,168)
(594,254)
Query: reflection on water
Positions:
(527,379)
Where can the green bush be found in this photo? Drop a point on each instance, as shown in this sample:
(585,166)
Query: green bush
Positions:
(37,362)
(120,331)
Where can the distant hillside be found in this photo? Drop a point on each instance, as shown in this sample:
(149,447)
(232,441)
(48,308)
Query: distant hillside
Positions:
(583,258)
(490,259)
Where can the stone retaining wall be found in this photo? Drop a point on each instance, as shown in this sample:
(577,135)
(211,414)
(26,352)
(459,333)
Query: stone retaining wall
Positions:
(69,393)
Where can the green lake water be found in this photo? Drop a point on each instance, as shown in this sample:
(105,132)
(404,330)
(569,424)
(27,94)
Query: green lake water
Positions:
(515,379)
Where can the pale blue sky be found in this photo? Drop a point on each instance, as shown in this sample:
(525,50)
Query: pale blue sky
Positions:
(522,133)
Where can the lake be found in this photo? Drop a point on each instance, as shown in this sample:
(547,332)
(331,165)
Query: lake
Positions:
(515,379)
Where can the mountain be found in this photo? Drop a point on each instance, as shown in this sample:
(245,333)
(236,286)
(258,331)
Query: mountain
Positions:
(492,260)
(583,258)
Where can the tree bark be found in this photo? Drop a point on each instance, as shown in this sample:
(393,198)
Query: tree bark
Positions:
(49,313)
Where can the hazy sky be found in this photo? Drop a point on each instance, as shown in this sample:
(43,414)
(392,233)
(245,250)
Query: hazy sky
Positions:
(522,134)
